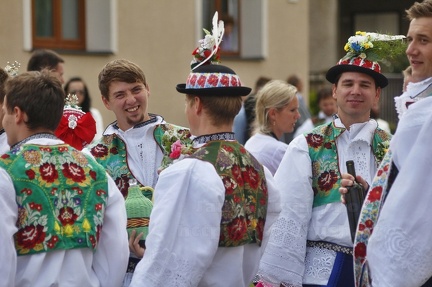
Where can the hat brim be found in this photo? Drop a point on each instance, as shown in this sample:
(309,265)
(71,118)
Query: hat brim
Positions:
(220,91)
(334,72)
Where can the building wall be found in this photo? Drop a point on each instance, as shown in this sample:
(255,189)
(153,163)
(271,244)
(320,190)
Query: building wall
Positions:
(160,37)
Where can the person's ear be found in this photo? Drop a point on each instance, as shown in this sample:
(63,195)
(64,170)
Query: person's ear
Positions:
(106,103)
(20,116)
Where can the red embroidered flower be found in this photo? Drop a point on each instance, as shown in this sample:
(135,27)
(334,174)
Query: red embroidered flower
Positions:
(360,250)
(67,216)
(361,227)
(327,179)
(213,80)
(237,174)
(93,240)
(193,80)
(77,190)
(237,229)
(100,192)
(29,236)
(314,140)
(229,184)
(114,150)
(122,183)
(242,149)
(236,198)
(92,174)
(74,172)
(99,151)
(48,172)
(202,81)
(234,82)
(98,206)
(54,190)
(375,194)
(30,173)
(5,156)
(328,145)
(52,242)
(369,223)
(263,201)
(224,81)
(35,206)
(252,177)
(26,191)
(227,148)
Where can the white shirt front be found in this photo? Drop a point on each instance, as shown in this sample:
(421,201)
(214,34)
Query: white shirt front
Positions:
(66,268)
(4,147)
(144,156)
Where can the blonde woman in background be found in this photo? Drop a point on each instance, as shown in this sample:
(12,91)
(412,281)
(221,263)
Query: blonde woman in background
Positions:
(277,111)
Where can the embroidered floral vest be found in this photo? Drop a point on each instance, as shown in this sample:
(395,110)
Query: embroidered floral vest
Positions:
(245,207)
(326,175)
(61,195)
(111,153)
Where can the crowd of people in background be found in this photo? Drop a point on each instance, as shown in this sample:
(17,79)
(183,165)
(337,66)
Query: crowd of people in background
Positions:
(254,192)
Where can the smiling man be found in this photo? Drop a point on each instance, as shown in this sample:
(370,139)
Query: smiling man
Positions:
(137,143)
(310,244)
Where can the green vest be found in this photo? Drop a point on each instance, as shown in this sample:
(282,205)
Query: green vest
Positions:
(245,206)
(326,175)
(111,153)
(61,195)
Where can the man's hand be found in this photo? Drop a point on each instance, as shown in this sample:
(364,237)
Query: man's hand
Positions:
(134,244)
(347,181)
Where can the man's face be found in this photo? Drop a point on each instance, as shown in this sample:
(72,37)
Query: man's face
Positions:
(355,94)
(419,51)
(129,103)
(59,71)
(328,106)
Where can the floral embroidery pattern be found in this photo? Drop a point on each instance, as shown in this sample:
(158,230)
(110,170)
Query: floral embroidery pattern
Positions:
(56,209)
(245,206)
(175,143)
(368,217)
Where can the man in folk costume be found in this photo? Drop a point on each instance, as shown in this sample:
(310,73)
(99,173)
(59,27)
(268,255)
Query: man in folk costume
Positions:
(392,245)
(213,209)
(138,144)
(311,243)
(63,218)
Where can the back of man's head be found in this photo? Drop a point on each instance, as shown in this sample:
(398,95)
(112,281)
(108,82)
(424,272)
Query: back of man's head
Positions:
(39,95)
(44,59)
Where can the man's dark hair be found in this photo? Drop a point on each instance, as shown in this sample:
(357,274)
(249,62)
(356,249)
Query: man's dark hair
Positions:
(44,59)
(39,95)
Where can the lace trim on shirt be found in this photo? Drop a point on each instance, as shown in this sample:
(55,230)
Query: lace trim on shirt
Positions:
(214,137)
(32,137)
(318,265)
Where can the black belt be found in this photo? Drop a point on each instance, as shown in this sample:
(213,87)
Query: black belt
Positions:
(330,246)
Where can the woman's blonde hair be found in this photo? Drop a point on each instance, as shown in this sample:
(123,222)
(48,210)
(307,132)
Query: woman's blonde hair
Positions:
(275,94)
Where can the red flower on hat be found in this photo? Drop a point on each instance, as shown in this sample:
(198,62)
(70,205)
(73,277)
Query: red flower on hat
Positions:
(224,81)
(202,80)
(192,80)
(234,82)
(213,80)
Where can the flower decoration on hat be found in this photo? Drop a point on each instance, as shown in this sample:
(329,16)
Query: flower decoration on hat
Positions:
(364,51)
(374,47)
(208,50)
(76,128)
(12,69)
